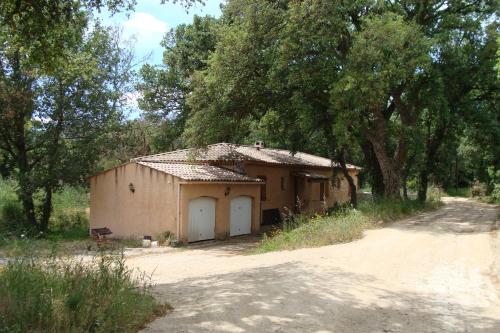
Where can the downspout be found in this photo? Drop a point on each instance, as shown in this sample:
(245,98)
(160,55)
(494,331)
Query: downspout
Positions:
(178,211)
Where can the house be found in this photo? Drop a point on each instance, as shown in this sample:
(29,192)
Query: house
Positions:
(222,191)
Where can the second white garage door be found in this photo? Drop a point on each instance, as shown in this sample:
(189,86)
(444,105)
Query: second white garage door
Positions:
(241,216)
(201,219)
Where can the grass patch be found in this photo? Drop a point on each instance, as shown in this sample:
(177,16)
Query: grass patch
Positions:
(302,231)
(458,192)
(340,226)
(389,210)
(49,294)
(70,213)
(72,242)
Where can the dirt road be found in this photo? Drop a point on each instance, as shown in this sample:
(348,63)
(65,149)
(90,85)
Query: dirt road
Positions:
(437,272)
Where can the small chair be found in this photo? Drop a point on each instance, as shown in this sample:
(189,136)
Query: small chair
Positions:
(99,235)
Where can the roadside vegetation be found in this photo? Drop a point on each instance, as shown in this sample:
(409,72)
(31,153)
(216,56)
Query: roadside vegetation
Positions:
(340,225)
(54,294)
(68,229)
(489,194)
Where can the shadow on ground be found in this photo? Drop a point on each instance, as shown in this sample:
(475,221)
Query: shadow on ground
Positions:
(291,298)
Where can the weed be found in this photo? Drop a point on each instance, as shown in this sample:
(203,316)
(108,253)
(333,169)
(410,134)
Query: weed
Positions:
(341,224)
(54,294)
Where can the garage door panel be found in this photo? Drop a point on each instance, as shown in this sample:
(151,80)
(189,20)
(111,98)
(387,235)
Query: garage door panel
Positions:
(240,216)
(201,219)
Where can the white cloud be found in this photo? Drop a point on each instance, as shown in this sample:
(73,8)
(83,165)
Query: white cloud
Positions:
(146,31)
(144,24)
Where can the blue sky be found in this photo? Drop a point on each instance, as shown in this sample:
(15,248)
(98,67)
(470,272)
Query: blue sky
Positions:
(149,22)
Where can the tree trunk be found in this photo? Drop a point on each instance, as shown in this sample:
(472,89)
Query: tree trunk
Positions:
(405,188)
(434,141)
(345,171)
(25,194)
(21,105)
(423,184)
(47,209)
(391,170)
(377,180)
(25,184)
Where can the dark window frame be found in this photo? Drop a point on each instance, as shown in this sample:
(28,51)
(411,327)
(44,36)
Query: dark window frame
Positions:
(284,185)
(263,188)
(322,191)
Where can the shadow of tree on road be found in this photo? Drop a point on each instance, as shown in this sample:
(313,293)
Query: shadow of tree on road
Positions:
(292,298)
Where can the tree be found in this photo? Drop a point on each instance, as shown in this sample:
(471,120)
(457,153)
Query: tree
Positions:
(381,78)
(164,88)
(51,124)
(327,76)
(61,84)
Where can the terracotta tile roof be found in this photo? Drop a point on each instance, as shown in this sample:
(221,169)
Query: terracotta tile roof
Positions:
(199,172)
(234,152)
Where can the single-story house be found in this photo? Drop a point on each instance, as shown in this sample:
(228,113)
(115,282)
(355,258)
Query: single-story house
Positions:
(222,191)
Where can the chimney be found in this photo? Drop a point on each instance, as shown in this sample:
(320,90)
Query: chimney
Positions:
(259,144)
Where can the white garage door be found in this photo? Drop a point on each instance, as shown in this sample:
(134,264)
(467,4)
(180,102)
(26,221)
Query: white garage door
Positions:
(201,219)
(241,216)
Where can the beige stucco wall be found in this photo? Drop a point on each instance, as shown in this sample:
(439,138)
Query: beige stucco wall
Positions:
(150,210)
(222,205)
(309,192)
(334,194)
(275,197)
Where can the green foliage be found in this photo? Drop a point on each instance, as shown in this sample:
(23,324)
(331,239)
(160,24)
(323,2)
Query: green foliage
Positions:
(303,231)
(387,210)
(63,295)
(71,204)
(380,59)
(458,192)
(396,79)
(495,194)
(342,225)
(53,119)
(478,189)
(68,221)
(11,214)
(164,88)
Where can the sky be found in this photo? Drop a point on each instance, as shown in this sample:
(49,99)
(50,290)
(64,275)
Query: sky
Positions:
(147,25)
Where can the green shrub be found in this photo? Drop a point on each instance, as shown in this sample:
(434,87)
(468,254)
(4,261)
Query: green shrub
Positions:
(434,193)
(304,231)
(12,219)
(341,224)
(70,209)
(389,210)
(464,192)
(495,194)
(63,295)
(478,189)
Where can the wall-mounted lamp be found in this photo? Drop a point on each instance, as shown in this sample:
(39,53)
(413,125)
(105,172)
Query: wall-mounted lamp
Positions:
(226,192)
(131,187)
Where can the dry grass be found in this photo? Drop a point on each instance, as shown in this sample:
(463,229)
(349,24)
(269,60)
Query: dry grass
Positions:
(340,226)
(51,294)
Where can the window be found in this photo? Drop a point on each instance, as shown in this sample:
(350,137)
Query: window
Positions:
(321,191)
(284,185)
(263,188)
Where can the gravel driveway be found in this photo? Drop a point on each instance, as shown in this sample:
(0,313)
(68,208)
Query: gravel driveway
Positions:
(437,272)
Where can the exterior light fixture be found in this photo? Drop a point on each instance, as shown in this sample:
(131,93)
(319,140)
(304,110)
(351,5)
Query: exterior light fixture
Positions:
(226,192)
(131,187)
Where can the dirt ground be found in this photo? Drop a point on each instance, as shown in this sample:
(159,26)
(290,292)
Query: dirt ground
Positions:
(437,272)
